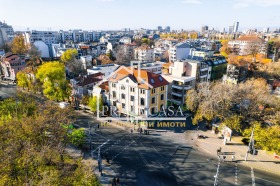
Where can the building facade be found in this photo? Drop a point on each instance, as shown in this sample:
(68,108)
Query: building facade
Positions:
(11,64)
(137,92)
(6,33)
(144,53)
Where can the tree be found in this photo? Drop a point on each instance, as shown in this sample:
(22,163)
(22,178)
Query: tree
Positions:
(253,50)
(77,136)
(34,55)
(69,55)
(93,104)
(52,76)
(18,45)
(22,79)
(33,145)
(104,59)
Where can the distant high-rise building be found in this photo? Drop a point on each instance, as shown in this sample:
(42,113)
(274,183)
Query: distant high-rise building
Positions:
(159,28)
(265,30)
(167,29)
(230,29)
(235,27)
(204,28)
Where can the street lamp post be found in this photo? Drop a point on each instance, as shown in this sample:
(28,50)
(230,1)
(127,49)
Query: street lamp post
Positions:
(251,143)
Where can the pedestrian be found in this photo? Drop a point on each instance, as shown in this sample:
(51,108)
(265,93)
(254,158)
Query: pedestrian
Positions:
(118,181)
(114,181)
(224,158)
(98,126)
(131,131)
(232,158)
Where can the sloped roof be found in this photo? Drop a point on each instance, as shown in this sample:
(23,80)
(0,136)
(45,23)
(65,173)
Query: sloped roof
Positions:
(249,38)
(150,79)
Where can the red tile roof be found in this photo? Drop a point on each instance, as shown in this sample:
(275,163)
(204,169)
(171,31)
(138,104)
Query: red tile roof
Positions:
(154,80)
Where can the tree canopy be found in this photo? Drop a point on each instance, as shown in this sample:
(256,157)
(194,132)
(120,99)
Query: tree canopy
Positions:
(52,76)
(33,145)
(238,106)
(69,55)
(18,45)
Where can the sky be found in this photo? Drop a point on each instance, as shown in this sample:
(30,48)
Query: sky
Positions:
(134,14)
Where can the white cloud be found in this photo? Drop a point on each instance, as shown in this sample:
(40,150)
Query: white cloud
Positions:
(262,3)
(192,2)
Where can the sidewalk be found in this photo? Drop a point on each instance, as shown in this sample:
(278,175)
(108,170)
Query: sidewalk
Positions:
(263,161)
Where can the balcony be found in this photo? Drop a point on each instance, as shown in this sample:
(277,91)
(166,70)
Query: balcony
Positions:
(178,102)
(203,76)
(204,69)
(180,87)
(176,93)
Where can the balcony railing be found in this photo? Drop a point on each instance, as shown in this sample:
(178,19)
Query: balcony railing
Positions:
(179,94)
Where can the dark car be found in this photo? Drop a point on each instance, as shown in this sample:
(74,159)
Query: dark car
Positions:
(201,137)
(1,98)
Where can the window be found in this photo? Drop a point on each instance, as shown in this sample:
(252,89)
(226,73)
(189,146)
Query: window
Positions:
(142,101)
(161,106)
(123,96)
(142,111)
(131,108)
(132,89)
(142,91)
(162,97)
(153,91)
(153,100)
(152,81)
(114,94)
(160,78)
(123,87)
(123,105)
(162,88)
(131,98)
(113,85)
(153,111)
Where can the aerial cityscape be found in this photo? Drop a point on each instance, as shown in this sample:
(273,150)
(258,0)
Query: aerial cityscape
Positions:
(144,93)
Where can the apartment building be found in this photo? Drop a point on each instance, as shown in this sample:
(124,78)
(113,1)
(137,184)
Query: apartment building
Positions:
(179,52)
(245,44)
(137,92)
(77,36)
(144,53)
(6,33)
(11,64)
(181,78)
(235,74)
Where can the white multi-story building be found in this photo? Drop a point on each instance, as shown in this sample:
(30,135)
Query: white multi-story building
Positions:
(137,92)
(179,52)
(183,76)
(144,53)
(243,44)
(125,40)
(6,33)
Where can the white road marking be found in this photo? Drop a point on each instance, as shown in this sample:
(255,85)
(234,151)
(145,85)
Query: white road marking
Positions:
(236,171)
(101,145)
(143,159)
(253,177)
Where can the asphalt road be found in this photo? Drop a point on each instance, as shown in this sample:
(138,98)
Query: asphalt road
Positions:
(151,160)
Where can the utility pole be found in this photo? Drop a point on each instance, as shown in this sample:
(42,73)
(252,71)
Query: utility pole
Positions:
(251,143)
(99,162)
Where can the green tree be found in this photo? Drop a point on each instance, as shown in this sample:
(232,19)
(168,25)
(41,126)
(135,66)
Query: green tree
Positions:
(69,55)
(52,76)
(77,136)
(18,45)
(22,79)
(93,103)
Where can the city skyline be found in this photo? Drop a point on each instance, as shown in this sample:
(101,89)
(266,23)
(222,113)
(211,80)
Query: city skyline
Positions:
(119,14)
